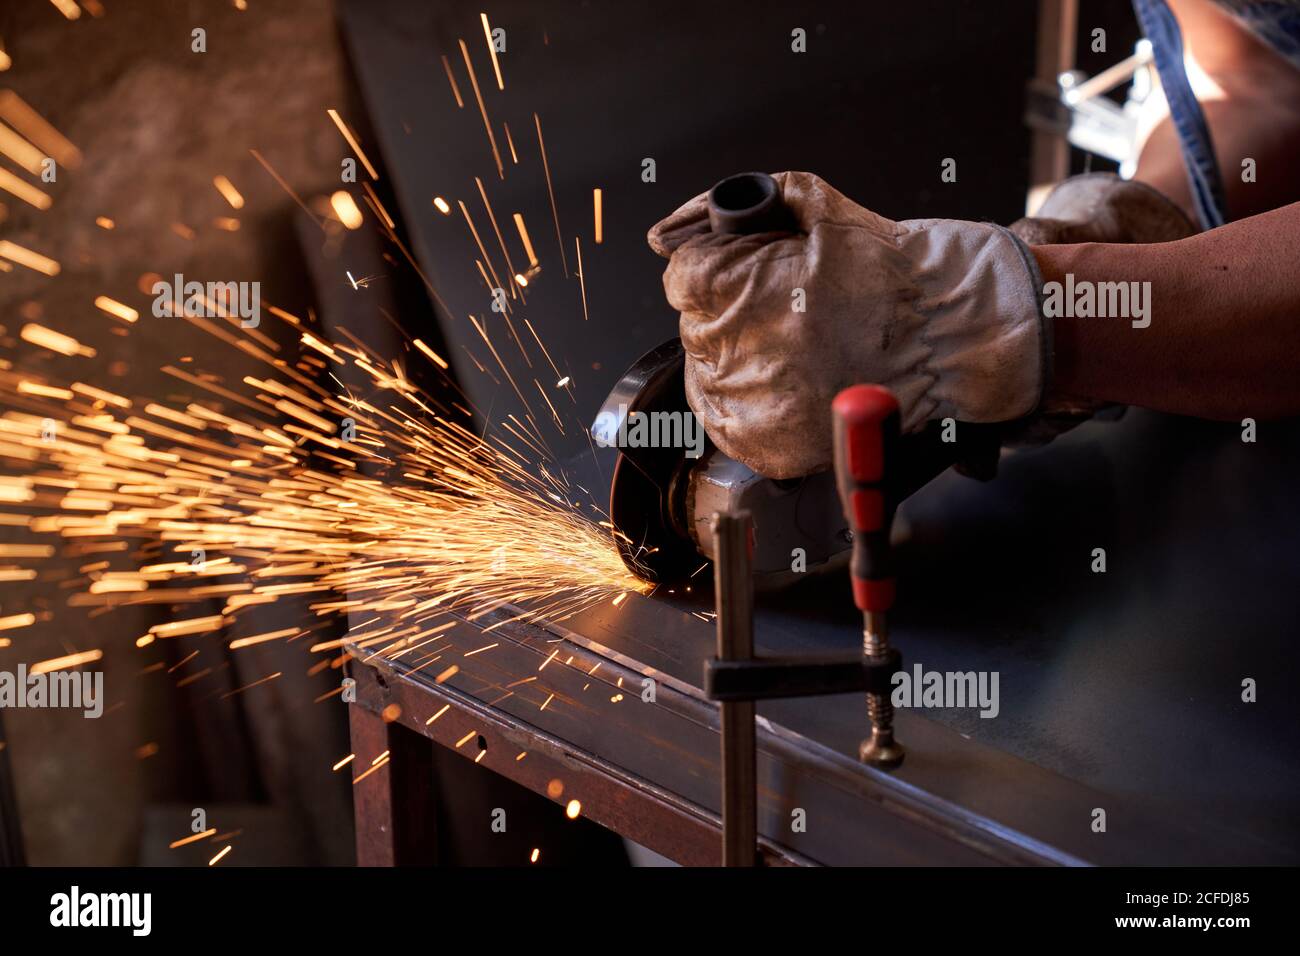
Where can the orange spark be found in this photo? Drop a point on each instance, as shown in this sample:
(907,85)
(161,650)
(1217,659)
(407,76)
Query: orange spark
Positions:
(492,50)
(33,126)
(262,638)
(523,236)
(352,142)
(24,191)
(550,191)
(42,337)
(26,257)
(582,280)
(62,663)
(217,859)
(437,359)
(116,309)
(455,90)
(228,192)
(68,8)
(184,841)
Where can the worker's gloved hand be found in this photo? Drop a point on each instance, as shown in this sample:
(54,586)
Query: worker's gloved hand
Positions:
(1094,207)
(942,312)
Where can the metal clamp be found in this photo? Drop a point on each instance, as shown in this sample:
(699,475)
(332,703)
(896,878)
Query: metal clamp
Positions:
(736,679)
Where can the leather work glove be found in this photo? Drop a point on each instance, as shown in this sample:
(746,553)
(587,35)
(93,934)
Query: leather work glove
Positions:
(1093,207)
(1101,207)
(942,312)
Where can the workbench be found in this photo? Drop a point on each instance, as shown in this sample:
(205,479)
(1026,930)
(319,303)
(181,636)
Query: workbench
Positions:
(1120,690)
(1116,686)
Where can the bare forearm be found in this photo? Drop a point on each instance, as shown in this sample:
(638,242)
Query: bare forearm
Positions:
(1224,336)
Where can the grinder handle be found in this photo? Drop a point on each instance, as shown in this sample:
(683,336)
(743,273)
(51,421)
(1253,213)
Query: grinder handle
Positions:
(749,203)
(866,421)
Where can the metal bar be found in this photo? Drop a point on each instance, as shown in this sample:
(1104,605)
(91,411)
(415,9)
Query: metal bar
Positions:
(734,590)
(1049,155)
(774,678)
(610,796)
(394,800)
(1108,78)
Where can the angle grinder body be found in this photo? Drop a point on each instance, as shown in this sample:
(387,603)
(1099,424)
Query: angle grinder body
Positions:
(663,495)
(661,499)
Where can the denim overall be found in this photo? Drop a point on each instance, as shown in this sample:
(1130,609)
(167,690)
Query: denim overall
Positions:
(1276,22)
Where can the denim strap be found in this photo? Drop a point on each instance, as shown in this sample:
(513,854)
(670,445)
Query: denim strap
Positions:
(1166,38)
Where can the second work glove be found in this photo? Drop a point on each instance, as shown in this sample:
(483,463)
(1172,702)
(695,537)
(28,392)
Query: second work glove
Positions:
(1093,207)
(942,312)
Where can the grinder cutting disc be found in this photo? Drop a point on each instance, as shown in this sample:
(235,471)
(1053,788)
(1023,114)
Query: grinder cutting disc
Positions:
(647,493)
(647,499)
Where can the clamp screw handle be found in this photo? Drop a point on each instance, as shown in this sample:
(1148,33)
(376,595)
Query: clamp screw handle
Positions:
(866,438)
(866,430)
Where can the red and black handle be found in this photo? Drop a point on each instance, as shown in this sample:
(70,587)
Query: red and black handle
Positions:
(866,421)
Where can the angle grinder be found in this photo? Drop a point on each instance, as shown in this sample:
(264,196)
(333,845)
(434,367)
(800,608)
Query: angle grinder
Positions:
(661,500)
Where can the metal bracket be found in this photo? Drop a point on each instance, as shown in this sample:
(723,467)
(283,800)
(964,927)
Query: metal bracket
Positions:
(1075,107)
(769,678)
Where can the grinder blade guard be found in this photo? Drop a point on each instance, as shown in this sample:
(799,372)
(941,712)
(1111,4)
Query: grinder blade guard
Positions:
(652,494)
(647,491)
(661,501)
